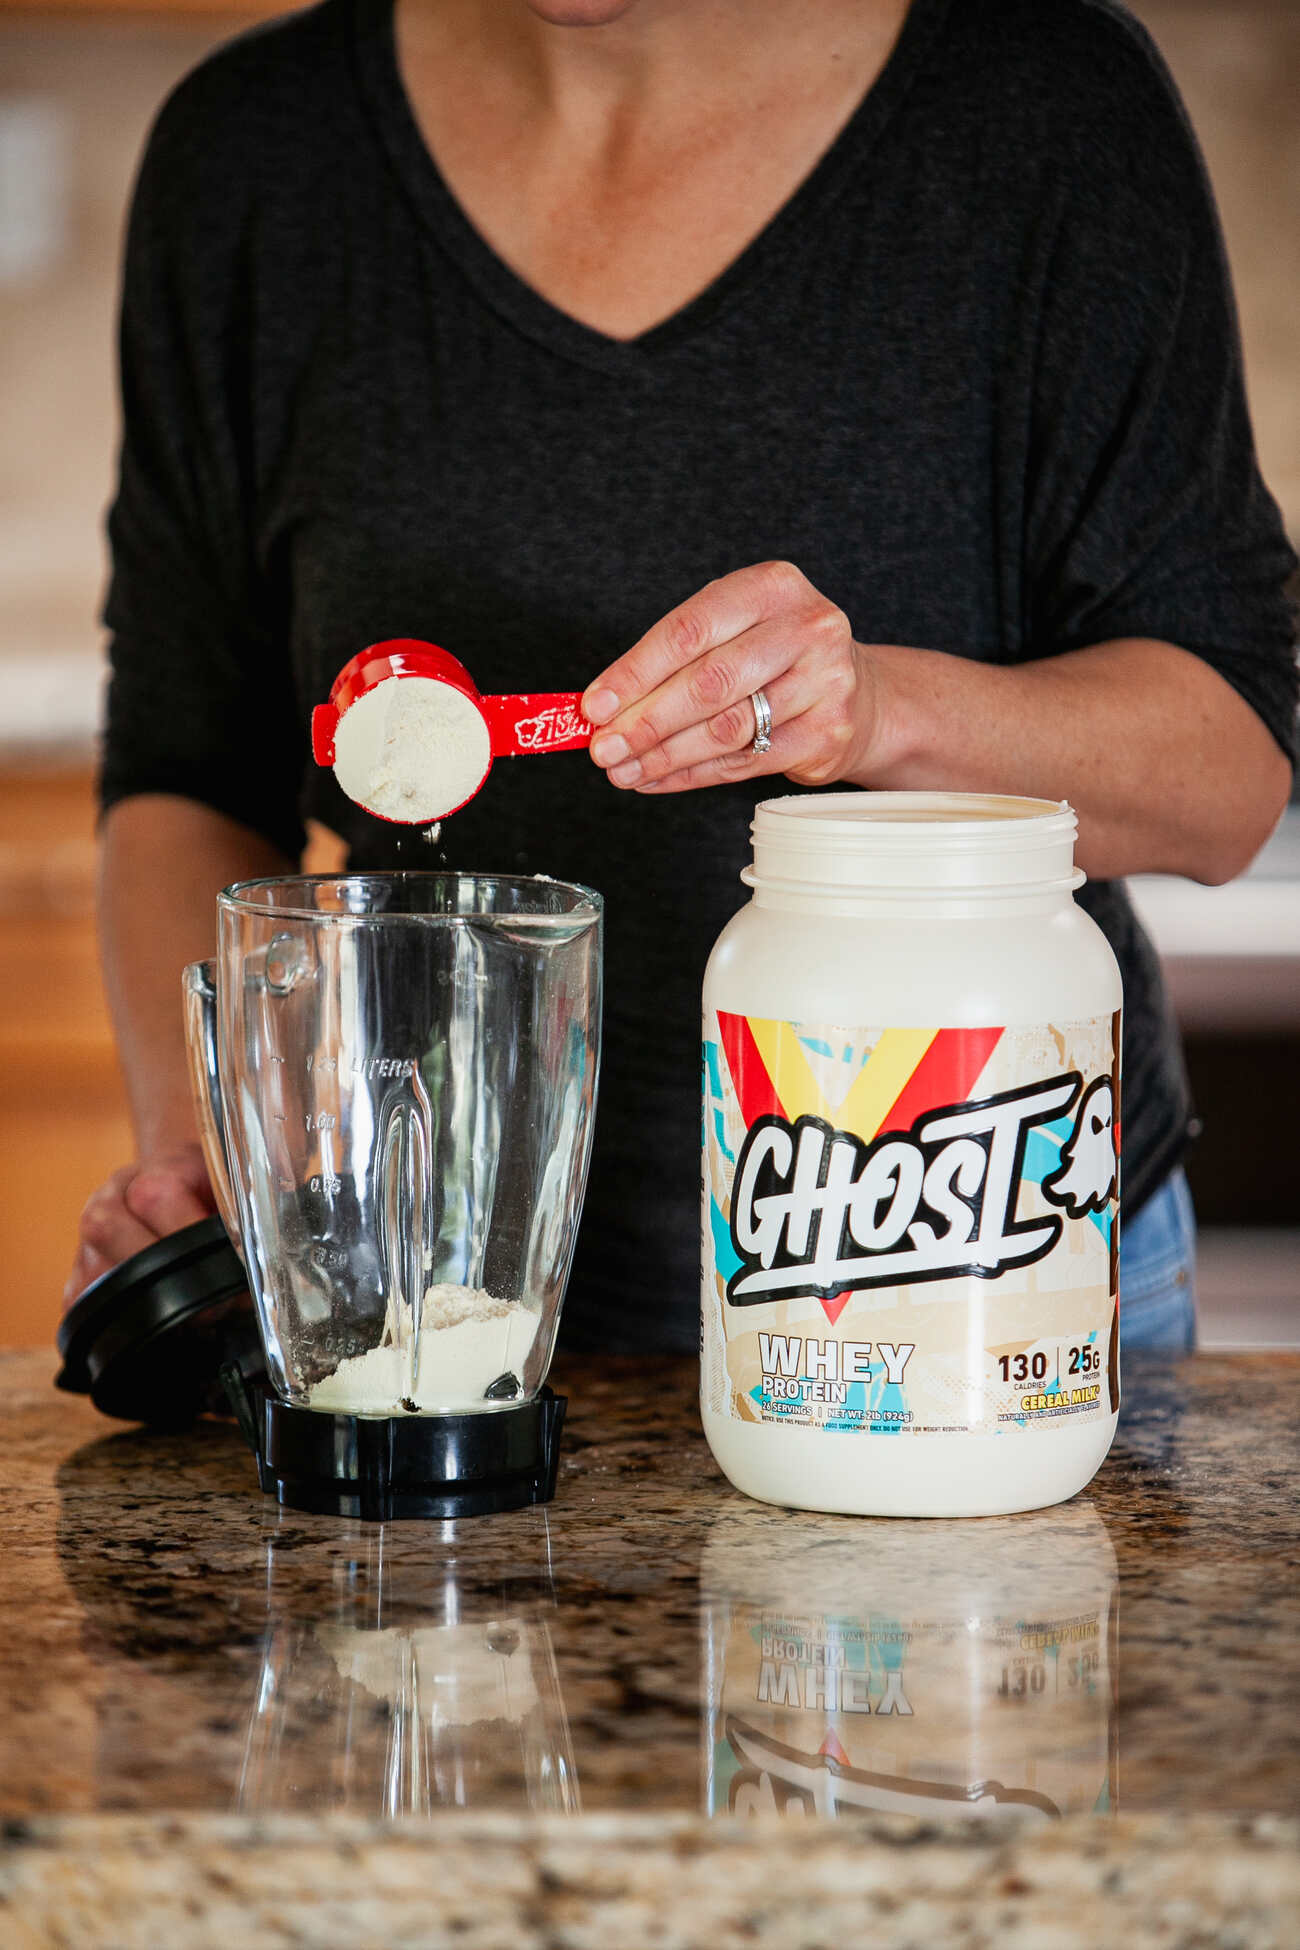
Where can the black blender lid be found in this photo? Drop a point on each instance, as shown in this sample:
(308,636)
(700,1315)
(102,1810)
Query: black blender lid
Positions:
(148,1339)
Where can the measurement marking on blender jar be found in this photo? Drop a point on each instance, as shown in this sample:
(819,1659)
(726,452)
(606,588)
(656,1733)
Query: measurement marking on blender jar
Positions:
(330,1182)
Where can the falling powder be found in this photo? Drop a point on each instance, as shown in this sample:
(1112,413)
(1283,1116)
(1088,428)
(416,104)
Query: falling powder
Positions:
(468,1339)
(412,749)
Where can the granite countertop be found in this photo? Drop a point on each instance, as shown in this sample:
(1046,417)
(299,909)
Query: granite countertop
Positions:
(653,1712)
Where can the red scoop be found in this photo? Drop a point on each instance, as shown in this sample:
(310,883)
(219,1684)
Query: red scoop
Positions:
(531,721)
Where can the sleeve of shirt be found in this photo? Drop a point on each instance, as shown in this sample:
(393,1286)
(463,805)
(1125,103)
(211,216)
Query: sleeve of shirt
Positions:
(1147,514)
(201,698)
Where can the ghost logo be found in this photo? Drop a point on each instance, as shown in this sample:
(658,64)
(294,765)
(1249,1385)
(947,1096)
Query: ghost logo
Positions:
(1086,1181)
(815,1210)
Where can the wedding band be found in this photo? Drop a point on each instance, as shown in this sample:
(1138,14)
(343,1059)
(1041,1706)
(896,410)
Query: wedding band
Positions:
(762,722)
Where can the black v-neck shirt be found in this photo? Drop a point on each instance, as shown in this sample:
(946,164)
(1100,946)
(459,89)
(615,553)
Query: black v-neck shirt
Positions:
(979,378)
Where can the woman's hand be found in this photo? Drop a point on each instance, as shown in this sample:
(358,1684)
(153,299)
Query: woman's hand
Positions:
(1167,766)
(676,711)
(138,1205)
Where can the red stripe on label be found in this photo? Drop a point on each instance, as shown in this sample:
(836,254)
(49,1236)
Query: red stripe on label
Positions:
(754,1091)
(945,1075)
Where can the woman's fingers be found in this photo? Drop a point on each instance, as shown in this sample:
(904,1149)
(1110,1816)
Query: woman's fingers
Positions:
(729,733)
(109,1233)
(137,1206)
(685,691)
(803,749)
(706,655)
(715,616)
(164,1197)
(718,686)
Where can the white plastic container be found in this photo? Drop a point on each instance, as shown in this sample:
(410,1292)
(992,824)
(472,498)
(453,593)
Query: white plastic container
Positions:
(910,1297)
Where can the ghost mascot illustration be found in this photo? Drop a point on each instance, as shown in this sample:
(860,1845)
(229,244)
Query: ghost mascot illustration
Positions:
(1086,1180)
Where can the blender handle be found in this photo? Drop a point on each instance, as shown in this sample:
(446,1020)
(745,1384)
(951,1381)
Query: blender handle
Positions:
(199,986)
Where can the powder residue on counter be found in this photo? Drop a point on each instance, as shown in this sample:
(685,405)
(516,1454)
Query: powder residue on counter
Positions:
(412,749)
(468,1339)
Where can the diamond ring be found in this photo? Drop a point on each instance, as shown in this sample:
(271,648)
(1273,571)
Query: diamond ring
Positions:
(762,722)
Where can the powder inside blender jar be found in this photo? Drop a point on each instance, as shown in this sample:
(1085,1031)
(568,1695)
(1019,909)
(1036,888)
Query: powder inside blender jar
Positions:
(468,1340)
(411,749)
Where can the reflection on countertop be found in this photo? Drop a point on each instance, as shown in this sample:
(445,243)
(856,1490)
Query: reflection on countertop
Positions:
(654,1651)
(952,1669)
(400,1693)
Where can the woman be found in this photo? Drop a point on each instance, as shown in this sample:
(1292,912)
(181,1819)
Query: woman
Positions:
(868,365)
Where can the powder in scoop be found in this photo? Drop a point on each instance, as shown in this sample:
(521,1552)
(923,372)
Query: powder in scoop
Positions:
(412,749)
(468,1339)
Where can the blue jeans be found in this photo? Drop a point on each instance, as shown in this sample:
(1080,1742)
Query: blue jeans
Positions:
(1157,1272)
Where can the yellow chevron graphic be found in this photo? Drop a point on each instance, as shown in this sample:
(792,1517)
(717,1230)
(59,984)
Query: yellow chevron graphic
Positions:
(874,1090)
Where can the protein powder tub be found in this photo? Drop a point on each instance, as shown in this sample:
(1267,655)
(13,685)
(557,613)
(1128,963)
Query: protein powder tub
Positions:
(910,1296)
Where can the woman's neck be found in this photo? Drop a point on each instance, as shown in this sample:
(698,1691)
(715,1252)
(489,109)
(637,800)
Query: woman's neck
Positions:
(619,166)
(583,61)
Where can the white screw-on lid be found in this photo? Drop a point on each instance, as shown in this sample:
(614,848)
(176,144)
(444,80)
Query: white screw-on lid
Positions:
(914,842)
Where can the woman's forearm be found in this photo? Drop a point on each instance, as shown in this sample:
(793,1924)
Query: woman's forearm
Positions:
(1168,768)
(163,861)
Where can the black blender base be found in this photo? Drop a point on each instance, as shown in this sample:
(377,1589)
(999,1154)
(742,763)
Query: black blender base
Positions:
(383,1469)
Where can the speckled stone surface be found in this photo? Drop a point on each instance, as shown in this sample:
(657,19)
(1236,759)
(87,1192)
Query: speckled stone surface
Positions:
(617,1712)
(649,1883)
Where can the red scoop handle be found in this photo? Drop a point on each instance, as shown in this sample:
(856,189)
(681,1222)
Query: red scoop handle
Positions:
(529,721)
(536,721)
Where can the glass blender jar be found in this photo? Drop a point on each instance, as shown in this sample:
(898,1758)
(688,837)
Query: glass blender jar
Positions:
(395,1076)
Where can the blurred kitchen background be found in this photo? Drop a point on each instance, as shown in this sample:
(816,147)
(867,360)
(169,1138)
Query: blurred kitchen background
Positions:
(78,87)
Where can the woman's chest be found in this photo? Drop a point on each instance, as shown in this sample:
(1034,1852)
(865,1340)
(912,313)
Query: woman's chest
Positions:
(446,476)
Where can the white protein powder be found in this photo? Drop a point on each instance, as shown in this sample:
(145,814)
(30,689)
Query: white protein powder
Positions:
(412,749)
(467,1339)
